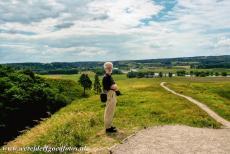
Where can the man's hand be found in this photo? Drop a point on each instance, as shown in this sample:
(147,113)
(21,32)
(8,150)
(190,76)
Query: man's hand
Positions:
(114,87)
(118,93)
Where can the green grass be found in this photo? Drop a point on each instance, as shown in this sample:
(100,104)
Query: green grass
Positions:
(65,87)
(73,77)
(143,104)
(214,92)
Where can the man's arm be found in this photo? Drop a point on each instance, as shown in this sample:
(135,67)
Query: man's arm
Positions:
(114,85)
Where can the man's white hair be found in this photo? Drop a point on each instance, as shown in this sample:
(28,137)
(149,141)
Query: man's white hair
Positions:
(106,64)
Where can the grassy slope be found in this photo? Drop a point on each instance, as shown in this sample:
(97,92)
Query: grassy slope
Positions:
(143,104)
(214,92)
(66,87)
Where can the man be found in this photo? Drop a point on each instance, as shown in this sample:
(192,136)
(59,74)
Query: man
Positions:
(110,88)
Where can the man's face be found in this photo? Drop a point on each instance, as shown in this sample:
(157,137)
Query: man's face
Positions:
(109,69)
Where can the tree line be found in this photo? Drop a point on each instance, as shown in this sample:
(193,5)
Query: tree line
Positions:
(133,74)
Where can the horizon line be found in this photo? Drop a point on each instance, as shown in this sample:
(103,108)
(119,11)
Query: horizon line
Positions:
(113,60)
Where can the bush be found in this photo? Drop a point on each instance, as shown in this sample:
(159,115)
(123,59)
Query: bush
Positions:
(224,73)
(132,74)
(170,74)
(160,74)
(181,73)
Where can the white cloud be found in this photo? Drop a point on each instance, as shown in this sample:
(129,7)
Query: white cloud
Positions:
(223,42)
(113,30)
(27,11)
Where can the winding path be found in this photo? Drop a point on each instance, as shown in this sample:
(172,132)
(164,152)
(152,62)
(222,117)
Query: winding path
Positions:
(178,138)
(215,116)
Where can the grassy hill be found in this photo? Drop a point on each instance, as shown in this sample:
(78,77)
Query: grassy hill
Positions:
(143,104)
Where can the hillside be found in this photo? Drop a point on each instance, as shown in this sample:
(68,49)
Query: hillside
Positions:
(26,97)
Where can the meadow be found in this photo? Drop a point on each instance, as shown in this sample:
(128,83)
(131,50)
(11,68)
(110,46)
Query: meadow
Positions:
(143,104)
(214,92)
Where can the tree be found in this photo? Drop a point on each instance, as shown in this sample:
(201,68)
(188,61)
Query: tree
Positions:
(202,74)
(217,74)
(170,74)
(85,82)
(117,71)
(224,74)
(207,73)
(29,72)
(140,74)
(131,74)
(211,73)
(160,74)
(97,85)
(181,73)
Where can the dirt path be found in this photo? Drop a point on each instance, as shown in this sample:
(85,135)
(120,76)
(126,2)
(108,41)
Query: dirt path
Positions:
(178,138)
(215,116)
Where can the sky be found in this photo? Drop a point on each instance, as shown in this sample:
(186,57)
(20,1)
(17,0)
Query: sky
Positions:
(107,30)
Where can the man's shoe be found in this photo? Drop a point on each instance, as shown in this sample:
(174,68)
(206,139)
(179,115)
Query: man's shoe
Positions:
(111,130)
(113,127)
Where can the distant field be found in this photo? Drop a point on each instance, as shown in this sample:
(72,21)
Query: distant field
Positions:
(143,104)
(174,69)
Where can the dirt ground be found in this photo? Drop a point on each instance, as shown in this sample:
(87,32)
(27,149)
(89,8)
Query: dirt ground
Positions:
(176,139)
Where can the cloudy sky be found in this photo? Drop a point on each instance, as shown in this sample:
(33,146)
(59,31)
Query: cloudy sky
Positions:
(87,30)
